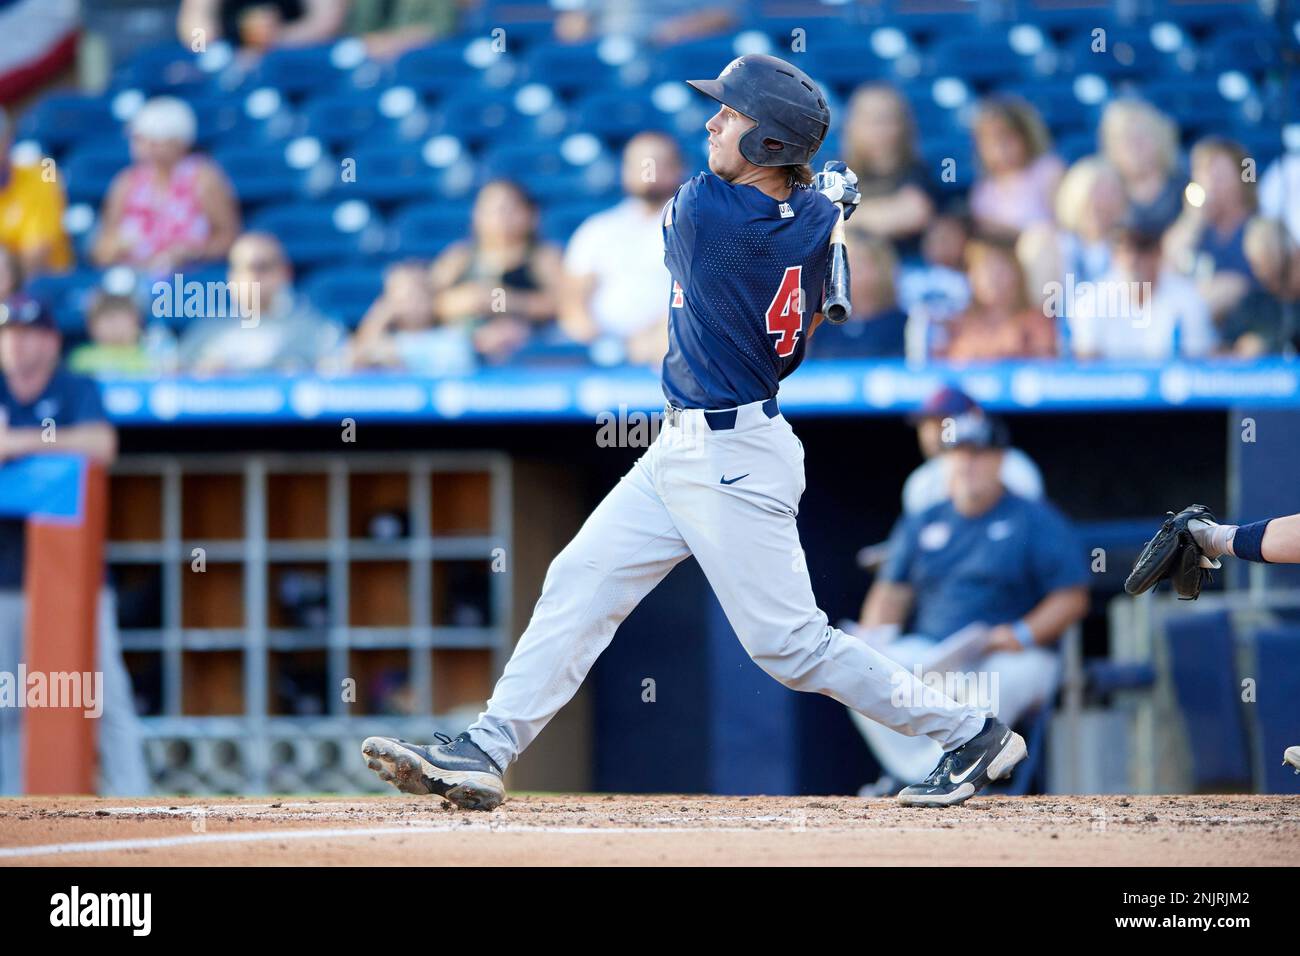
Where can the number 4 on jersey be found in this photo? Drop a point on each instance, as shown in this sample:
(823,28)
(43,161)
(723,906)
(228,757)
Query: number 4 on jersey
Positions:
(785,314)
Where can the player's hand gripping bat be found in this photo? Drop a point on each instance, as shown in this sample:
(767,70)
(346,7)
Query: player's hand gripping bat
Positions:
(839,184)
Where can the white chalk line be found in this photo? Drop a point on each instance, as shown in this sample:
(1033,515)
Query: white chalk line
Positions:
(261,836)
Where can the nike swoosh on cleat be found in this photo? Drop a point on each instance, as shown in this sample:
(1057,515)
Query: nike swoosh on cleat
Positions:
(732,481)
(958,778)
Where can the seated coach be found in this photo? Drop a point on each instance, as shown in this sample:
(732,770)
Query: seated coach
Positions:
(981,586)
(44,408)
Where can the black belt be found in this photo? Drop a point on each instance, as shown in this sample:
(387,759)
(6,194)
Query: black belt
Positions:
(723,420)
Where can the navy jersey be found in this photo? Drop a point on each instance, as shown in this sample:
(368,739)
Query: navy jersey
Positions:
(748,274)
(68,399)
(992,567)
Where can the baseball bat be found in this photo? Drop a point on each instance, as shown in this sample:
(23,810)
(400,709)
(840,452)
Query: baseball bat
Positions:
(837,306)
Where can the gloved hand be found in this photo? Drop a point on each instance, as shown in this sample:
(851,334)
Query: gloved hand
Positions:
(839,184)
(1213,539)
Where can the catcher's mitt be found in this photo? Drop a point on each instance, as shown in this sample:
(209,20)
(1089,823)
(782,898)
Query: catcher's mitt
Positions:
(1173,553)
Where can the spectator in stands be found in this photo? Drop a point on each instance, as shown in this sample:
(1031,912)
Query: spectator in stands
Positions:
(1090,204)
(660,21)
(930,482)
(1279,188)
(876,328)
(1207,241)
(616,284)
(398,331)
(1005,574)
(1267,320)
(391,29)
(119,343)
(281,331)
(1000,322)
(502,282)
(937,286)
(46,409)
(1018,172)
(880,146)
(1141,309)
(31,209)
(260,24)
(1142,144)
(170,207)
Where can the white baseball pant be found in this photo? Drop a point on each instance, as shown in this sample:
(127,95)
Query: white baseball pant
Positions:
(729,497)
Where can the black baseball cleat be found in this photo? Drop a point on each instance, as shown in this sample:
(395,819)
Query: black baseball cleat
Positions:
(963,772)
(455,769)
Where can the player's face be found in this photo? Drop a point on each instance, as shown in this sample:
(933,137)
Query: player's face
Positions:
(726,127)
(976,478)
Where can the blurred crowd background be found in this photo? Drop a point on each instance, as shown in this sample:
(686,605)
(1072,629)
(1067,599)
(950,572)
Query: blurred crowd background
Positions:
(438,185)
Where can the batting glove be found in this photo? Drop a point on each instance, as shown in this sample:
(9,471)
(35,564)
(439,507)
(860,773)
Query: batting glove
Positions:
(1213,539)
(839,184)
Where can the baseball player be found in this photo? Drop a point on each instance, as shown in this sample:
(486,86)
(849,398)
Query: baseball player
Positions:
(1272,541)
(746,244)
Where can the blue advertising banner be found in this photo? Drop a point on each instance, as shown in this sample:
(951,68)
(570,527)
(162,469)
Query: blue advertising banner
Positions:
(583,394)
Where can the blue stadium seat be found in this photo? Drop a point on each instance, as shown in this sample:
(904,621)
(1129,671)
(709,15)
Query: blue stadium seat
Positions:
(1057,103)
(345,293)
(423,231)
(694,59)
(312,233)
(478,117)
(1128,52)
(1209,15)
(615,116)
(435,70)
(392,174)
(1250,50)
(61,120)
(88,172)
(300,71)
(340,118)
(260,174)
(569,69)
(1204,671)
(521,160)
(979,57)
(226,119)
(1196,96)
(163,68)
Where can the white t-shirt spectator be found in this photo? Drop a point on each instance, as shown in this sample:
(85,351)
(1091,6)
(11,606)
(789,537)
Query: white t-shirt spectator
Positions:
(623,248)
(1174,322)
(928,484)
(1279,192)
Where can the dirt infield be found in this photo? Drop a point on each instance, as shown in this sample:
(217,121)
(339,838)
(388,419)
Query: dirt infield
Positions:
(596,829)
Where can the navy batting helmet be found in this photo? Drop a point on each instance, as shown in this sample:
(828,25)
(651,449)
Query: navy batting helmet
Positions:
(790,112)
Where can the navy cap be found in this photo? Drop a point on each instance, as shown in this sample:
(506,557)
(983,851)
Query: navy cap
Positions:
(945,403)
(976,430)
(20,309)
